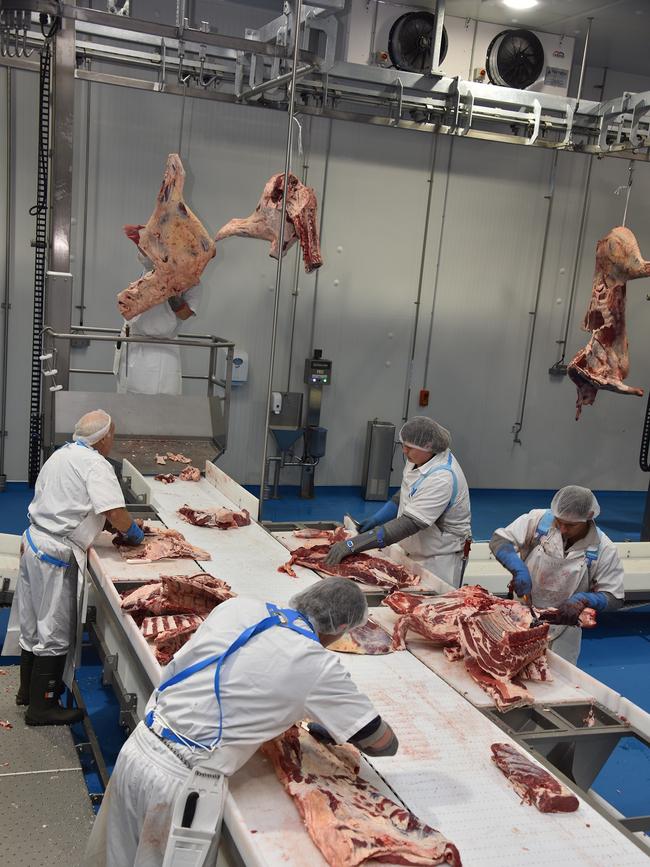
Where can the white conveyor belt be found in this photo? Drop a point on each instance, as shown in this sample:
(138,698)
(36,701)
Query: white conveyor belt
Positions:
(444,774)
(562,688)
(442,771)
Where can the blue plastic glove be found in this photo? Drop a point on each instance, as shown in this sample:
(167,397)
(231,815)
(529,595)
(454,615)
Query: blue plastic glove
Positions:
(387,512)
(521,580)
(597,601)
(133,536)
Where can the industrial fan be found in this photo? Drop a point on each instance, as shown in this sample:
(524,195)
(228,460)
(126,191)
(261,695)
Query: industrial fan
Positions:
(515,58)
(411,39)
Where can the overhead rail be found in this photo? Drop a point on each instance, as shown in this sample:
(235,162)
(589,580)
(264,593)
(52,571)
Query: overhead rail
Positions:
(255,70)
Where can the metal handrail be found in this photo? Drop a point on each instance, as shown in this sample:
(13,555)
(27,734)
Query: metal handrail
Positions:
(113,335)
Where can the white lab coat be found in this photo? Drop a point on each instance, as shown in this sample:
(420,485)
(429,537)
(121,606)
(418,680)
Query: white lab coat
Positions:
(556,575)
(145,368)
(274,680)
(439,546)
(73,487)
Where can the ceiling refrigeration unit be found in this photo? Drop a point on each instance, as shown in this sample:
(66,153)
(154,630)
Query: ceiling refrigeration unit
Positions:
(395,35)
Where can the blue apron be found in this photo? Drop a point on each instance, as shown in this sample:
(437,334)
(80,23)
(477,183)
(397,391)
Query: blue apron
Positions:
(285,617)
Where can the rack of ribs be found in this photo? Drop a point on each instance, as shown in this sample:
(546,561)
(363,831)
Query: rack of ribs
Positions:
(264,222)
(176,243)
(604,362)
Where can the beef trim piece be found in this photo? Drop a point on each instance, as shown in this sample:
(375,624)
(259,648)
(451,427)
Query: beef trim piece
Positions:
(358,567)
(264,222)
(347,818)
(604,362)
(174,241)
(533,784)
(221,518)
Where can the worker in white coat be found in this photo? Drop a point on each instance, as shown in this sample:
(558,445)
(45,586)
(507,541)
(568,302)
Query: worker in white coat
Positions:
(430,516)
(560,559)
(250,672)
(150,368)
(76,493)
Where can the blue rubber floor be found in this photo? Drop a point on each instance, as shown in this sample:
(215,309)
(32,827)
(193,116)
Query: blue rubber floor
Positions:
(617,653)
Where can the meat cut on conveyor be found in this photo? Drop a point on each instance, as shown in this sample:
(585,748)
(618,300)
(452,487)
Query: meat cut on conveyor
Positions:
(368,639)
(533,784)
(177,594)
(492,636)
(347,818)
(604,362)
(160,545)
(264,222)
(363,568)
(174,240)
(167,633)
(169,611)
(219,517)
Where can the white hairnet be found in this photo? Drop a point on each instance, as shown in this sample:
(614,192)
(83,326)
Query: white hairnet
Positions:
(92,427)
(421,432)
(573,504)
(331,604)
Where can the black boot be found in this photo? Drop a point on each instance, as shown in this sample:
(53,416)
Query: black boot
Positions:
(26,665)
(44,708)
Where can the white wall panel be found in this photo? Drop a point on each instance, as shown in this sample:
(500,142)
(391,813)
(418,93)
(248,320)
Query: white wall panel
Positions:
(362,300)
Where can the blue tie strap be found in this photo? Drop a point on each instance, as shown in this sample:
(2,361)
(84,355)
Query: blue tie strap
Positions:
(42,556)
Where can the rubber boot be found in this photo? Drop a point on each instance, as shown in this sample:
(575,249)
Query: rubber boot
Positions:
(44,708)
(26,665)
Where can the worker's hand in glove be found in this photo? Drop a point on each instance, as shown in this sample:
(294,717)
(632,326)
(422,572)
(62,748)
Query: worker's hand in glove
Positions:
(362,542)
(338,552)
(387,512)
(568,612)
(316,730)
(521,581)
(133,536)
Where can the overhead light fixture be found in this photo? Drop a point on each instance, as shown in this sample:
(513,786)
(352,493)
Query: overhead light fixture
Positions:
(520,4)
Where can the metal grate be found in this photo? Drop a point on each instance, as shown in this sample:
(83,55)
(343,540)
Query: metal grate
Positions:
(40,211)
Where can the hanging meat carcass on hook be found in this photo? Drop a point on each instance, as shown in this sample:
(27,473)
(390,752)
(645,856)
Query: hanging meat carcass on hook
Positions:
(176,243)
(300,222)
(604,362)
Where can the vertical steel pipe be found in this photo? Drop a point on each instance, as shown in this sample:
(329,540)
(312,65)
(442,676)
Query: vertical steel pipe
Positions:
(5,305)
(297,11)
(518,425)
(418,300)
(82,270)
(584,60)
(576,263)
(439,253)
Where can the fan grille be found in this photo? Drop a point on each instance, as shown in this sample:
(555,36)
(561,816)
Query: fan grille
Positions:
(515,58)
(411,39)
